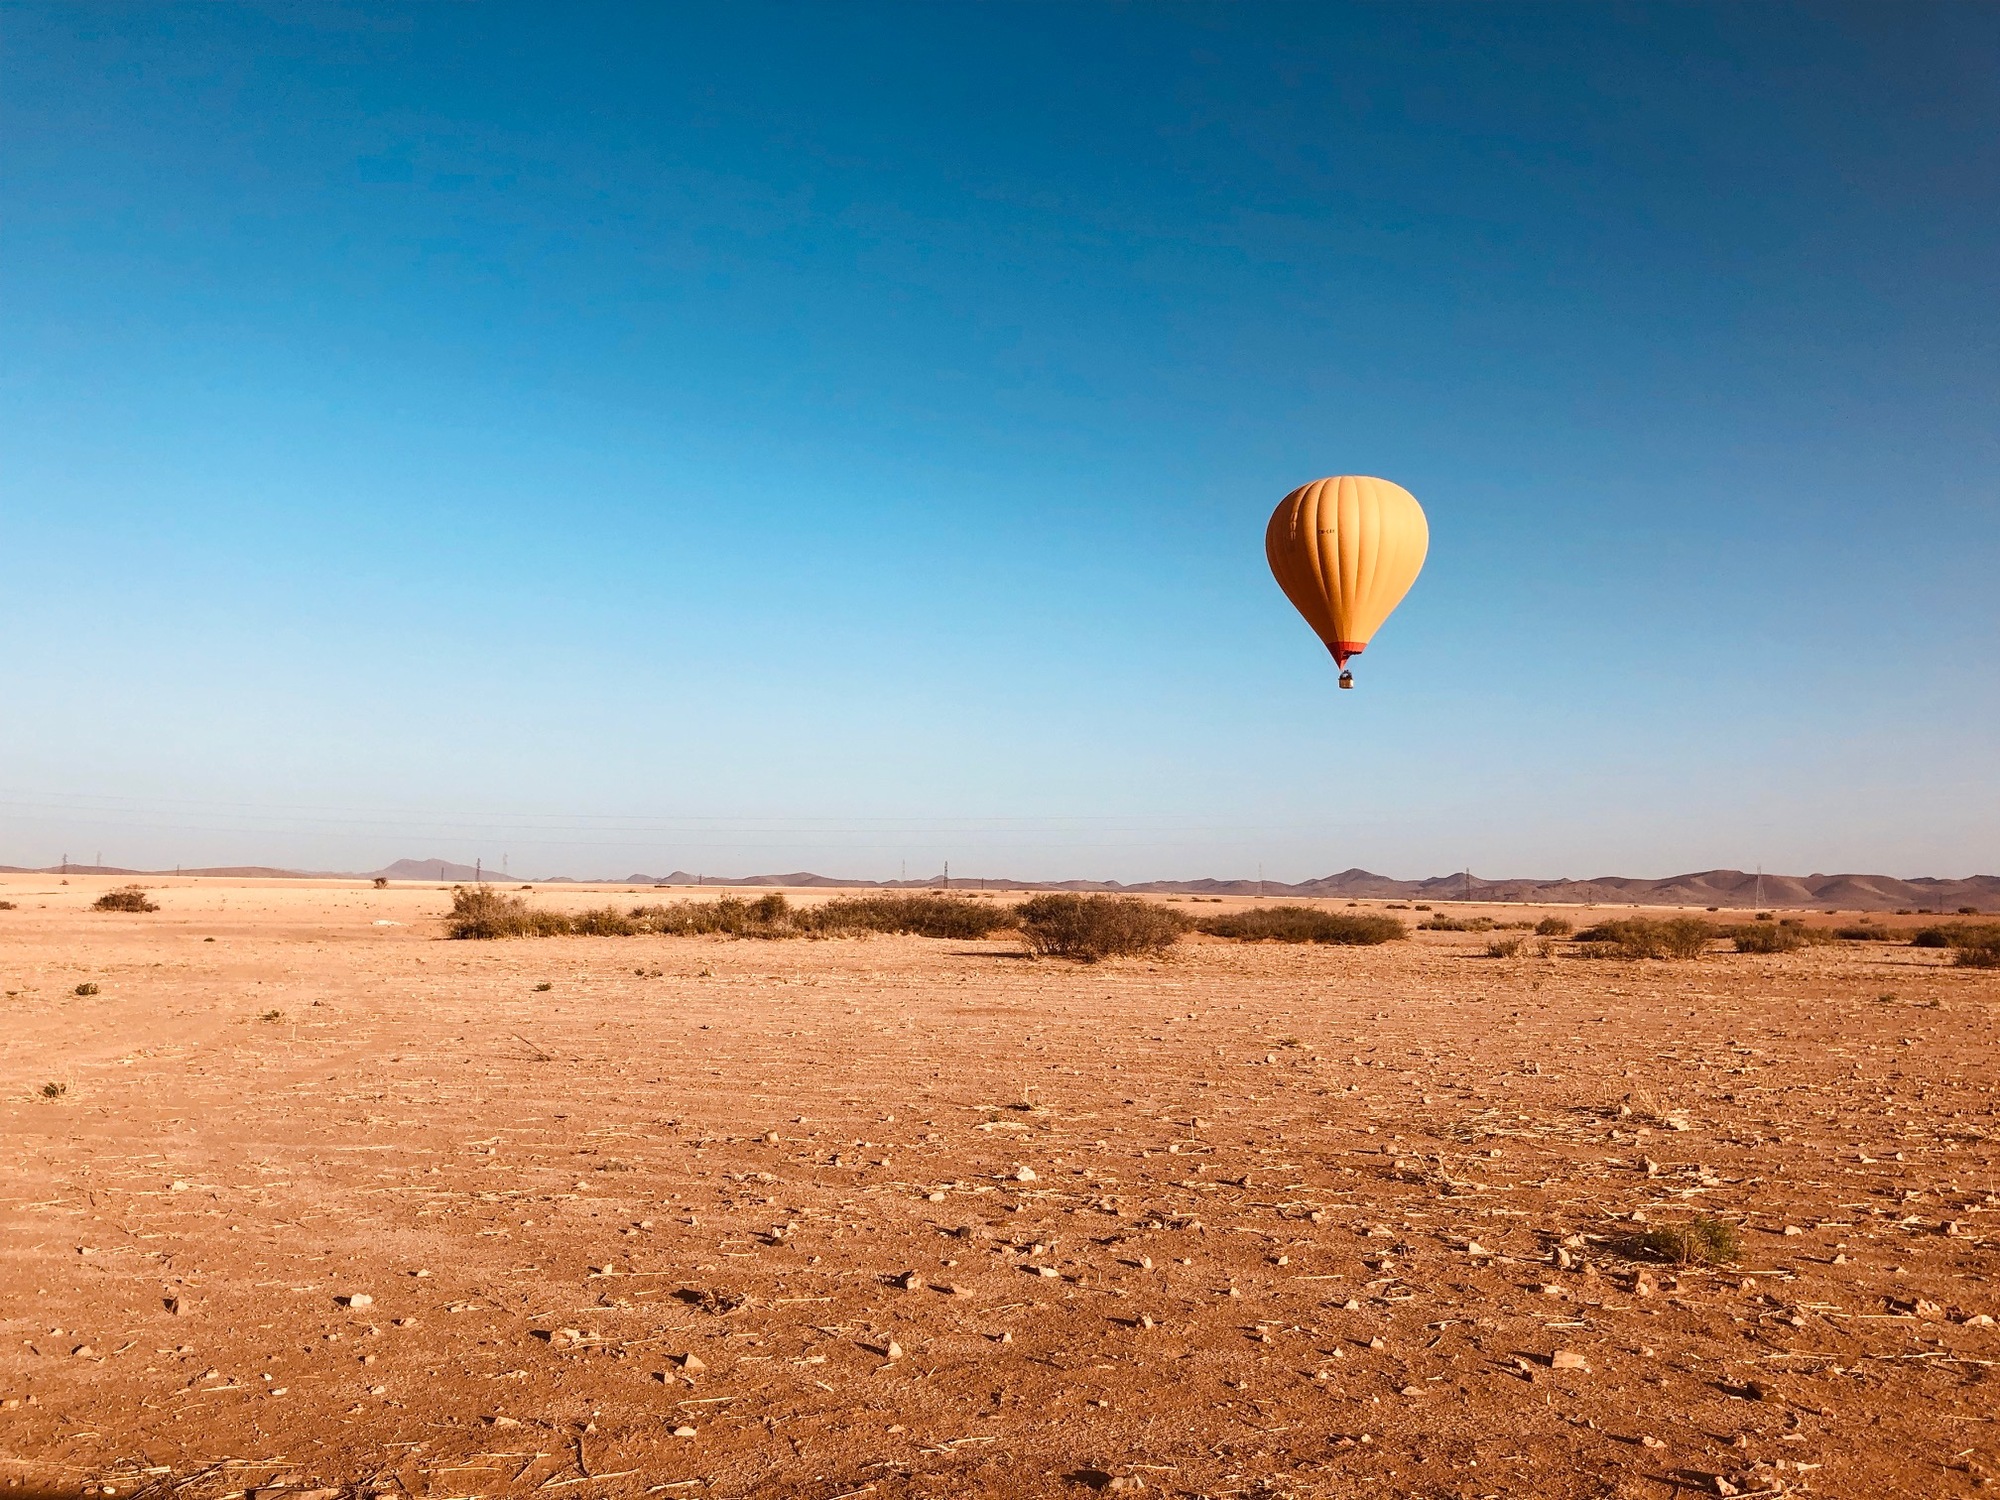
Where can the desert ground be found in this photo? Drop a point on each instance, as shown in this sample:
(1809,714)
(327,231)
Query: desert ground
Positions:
(304,1197)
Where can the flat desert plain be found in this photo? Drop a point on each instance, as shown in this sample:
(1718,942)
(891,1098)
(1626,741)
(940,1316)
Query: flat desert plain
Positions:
(305,1198)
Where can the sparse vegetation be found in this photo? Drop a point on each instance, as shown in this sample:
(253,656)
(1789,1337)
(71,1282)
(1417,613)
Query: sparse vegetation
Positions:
(1767,937)
(125,898)
(272,1015)
(482,912)
(1089,928)
(1302,924)
(1554,927)
(86,989)
(1703,1242)
(479,911)
(925,914)
(54,1090)
(1974,945)
(381,882)
(1456,924)
(1640,937)
(1506,947)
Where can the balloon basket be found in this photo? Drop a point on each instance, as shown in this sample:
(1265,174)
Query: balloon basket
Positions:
(1347,679)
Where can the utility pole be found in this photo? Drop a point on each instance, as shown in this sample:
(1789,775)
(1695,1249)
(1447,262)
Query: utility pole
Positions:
(65,864)
(1260,880)
(1468,882)
(478,870)
(947,874)
(1760,887)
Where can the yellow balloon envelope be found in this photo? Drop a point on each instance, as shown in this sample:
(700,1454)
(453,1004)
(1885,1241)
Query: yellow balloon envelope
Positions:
(1345,551)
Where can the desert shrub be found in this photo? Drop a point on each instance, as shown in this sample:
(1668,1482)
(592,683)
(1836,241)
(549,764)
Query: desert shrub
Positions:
(1931,937)
(1639,937)
(125,898)
(1554,927)
(86,988)
(479,911)
(1968,911)
(1507,947)
(1976,945)
(926,914)
(1703,1242)
(1457,924)
(7,906)
(1301,924)
(1861,933)
(1767,937)
(769,916)
(1088,928)
(381,882)
(602,921)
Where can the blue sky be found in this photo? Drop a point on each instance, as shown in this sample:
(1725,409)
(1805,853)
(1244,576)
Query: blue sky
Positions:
(840,437)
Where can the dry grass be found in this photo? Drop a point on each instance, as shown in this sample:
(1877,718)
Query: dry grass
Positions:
(1089,928)
(1506,947)
(1302,924)
(1554,927)
(1703,1242)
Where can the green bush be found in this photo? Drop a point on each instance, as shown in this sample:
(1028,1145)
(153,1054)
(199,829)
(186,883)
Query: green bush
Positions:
(1089,928)
(1639,937)
(1301,924)
(926,914)
(1554,927)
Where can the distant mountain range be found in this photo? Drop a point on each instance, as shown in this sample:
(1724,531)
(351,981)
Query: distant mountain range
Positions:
(1732,889)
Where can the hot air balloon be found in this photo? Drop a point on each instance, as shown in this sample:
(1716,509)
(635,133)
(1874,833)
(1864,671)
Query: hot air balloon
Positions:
(1345,551)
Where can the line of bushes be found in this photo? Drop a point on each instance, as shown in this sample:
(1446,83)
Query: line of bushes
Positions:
(1302,924)
(1974,945)
(482,912)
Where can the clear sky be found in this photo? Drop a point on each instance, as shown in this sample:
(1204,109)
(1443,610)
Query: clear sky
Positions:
(757,438)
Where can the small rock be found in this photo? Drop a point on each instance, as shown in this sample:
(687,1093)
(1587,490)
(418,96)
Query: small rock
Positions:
(1352,1304)
(1025,1174)
(894,1351)
(910,1281)
(1649,1441)
(177,1306)
(84,1351)
(1051,1272)
(1126,1484)
(692,1364)
(1723,1486)
(1473,1247)
(1567,1359)
(356,1299)
(684,1432)
(498,1421)
(1378,1342)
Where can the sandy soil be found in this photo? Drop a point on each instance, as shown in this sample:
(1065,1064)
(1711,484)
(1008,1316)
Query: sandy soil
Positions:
(342,1206)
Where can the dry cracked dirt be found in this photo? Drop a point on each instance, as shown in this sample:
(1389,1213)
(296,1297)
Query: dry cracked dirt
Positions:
(305,1200)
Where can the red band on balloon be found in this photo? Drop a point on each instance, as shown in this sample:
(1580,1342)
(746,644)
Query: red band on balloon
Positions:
(1343,649)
